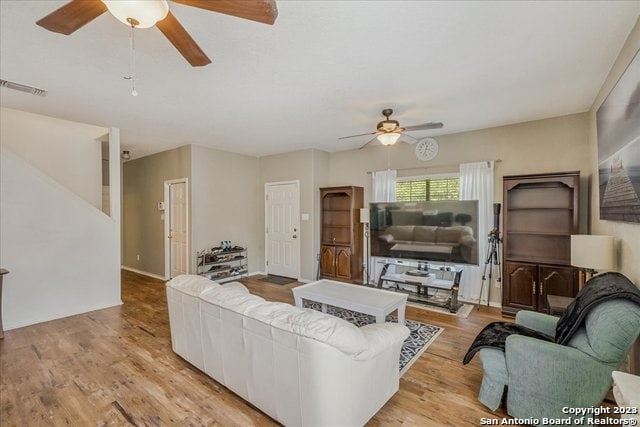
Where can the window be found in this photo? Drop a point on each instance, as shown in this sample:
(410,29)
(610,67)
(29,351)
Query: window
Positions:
(435,188)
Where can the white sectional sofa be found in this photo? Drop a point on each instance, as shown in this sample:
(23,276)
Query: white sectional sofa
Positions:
(299,366)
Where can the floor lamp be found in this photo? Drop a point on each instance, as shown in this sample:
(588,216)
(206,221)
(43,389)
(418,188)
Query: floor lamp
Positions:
(592,253)
(364,219)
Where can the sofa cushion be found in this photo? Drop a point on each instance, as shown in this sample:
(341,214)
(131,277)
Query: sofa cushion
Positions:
(191,284)
(451,234)
(313,324)
(233,296)
(425,233)
(400,232)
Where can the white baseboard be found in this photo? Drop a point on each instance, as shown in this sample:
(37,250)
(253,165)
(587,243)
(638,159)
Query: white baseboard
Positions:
(255,273)
(144,273)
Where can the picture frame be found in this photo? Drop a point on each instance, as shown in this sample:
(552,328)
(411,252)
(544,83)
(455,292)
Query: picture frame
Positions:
(618,132)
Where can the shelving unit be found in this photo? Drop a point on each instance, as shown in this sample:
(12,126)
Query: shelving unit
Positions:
(540,215)
(439,288)
(223,265)
(341,253)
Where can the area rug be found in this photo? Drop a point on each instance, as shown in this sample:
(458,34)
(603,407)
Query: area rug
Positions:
(421,335)
(278,280)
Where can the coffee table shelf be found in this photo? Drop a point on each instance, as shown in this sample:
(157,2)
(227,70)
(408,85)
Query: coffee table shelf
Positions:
(359,298)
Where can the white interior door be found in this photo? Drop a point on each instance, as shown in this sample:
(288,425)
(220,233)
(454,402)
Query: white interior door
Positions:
(178,229)
(283,229)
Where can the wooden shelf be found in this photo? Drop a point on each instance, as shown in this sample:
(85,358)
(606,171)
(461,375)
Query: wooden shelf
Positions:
(540,215)
(540,209)
(539,260)
(540,233)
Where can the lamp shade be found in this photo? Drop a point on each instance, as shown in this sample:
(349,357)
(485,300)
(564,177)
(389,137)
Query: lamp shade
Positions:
(364,215)
(388,138)
(593,252)
(145,12)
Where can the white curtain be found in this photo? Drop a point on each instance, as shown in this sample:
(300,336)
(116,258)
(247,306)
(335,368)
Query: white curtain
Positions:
(384,186)
(476,183)
(383,189)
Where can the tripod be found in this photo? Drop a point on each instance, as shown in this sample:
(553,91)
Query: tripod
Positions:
(492,260)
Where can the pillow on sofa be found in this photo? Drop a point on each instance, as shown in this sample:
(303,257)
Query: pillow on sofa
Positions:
(313,324)
(191,284)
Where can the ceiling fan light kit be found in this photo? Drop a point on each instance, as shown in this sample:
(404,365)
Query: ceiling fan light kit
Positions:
(138,13)
(389,138)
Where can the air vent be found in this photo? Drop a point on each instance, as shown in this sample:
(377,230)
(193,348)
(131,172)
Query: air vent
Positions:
(23,88)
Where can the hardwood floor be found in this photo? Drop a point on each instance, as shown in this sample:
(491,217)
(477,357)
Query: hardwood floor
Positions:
(116,367)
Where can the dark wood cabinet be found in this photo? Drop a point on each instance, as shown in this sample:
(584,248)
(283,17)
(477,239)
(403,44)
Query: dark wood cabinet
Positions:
(341,253)
(519,286)
(526,286)
(540,215)
(328,261)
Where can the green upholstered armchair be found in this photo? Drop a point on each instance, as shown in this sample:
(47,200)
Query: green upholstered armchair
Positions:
(542,377)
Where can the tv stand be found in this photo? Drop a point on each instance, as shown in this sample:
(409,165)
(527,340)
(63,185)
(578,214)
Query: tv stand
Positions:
(428,289)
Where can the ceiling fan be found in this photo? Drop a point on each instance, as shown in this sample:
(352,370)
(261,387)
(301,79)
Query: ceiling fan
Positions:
(388,131)
(147,13)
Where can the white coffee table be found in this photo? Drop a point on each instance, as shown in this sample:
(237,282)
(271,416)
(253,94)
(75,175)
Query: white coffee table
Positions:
(376,302)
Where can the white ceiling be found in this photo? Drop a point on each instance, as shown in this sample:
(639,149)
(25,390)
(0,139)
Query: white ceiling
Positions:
(325,69)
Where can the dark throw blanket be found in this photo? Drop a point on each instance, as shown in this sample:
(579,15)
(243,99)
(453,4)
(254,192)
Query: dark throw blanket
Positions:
(600,288)
(495,335)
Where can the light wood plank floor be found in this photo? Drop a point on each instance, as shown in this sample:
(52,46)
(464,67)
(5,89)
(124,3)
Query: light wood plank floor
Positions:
(116,367)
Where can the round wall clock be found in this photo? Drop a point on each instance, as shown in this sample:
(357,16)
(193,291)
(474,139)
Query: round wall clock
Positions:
(426,149)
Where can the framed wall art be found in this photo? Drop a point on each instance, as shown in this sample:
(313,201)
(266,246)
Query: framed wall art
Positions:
(618,123)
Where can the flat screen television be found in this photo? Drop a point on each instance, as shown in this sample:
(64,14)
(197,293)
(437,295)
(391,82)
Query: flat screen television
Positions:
(438,231)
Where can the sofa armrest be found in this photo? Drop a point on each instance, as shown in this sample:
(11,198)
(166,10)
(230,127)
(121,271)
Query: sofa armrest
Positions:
(556,375)
(537,321)
(467,240)
(386,238)
(381,336)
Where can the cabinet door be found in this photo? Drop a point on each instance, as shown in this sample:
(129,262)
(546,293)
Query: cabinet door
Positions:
(554,280)
(520,286)
(343,263)
(328,261)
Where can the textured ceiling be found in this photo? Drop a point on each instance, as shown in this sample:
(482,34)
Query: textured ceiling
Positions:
(325,69)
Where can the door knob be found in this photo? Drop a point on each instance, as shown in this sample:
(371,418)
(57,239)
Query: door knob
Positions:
(295,237)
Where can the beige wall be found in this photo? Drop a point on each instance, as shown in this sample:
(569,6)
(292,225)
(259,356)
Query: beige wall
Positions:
(321,178)
(550,145)
(142,222)
(69,152)
(627,233)
(226,202)
(63,254)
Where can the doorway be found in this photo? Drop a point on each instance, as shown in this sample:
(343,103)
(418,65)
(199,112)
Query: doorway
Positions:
(176,227)
(282,230)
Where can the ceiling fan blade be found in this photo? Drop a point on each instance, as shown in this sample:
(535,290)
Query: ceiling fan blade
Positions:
(368,142)
(425,126)
(72,16)
(360,134)
(264,11)
(178,36)
(408,139)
